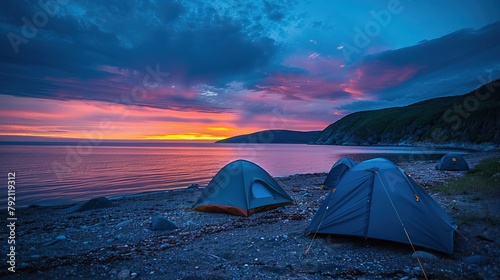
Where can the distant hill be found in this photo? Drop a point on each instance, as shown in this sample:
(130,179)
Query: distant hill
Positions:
(274,137)
(470,118)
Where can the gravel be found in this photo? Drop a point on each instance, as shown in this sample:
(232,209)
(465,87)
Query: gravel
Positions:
(118,243)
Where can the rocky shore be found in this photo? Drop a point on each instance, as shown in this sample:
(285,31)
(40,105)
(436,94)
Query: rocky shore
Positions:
(121,242)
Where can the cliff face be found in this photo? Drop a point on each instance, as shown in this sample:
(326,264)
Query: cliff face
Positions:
(470,118)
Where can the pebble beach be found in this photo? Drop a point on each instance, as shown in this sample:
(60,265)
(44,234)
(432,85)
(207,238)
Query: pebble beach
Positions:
(120,242)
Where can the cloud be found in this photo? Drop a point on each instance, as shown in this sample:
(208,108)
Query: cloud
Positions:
(303,87)
(377,75)
(273,11)
(188,41)
(444,66)
(246,59)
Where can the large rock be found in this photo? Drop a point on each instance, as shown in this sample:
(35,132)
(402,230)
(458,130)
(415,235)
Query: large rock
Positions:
(161,223)
(424,255)
(94,203)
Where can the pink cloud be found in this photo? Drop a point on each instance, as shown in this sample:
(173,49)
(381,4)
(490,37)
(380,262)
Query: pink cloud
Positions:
(79,119)
(375,76)
(313,55)
(297,86)
(328,77)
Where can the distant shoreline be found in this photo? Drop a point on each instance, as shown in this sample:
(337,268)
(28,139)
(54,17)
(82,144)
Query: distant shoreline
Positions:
(460,146)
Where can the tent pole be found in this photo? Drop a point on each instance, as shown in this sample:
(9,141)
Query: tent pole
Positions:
(402,224)
(319,225)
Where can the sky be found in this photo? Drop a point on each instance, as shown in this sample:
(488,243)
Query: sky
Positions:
(208,70)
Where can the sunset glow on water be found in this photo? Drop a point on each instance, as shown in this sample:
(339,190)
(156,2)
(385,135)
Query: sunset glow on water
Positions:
(60,174)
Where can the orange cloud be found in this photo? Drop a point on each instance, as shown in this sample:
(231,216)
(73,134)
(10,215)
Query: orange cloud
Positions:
(101,120)
(187,136)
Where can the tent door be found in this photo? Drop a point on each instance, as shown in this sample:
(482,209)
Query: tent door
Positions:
(260,190)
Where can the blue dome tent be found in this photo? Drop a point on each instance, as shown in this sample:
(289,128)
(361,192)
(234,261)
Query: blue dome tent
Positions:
(376,199)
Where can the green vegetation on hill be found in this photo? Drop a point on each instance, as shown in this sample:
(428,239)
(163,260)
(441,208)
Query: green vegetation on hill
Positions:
(274,137)
(470,118)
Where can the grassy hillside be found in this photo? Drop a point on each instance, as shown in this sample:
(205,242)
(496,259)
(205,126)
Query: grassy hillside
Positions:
(470,118)
(484,179)
(274,137)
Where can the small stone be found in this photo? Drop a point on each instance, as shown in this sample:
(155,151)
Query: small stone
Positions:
(164,245)
(110,240)
(424,255)
(190,223)
(124,223)
(161,223)
(133,275)
(61,238)
(94,203)
(404,278)
(124,274)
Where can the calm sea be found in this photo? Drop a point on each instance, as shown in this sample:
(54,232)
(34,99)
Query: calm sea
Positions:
(51,175)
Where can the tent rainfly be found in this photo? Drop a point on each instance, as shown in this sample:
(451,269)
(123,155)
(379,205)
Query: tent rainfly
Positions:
(338,170)
(452,162)
(376,199)
(242,188)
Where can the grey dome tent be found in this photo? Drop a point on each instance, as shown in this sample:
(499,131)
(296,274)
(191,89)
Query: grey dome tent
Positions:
(242,188)
(376,199)
(337,171)
(452,162)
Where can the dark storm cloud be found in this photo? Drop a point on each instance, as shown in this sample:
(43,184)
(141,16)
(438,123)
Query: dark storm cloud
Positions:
(447,50)
(273,11)
(193,43)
